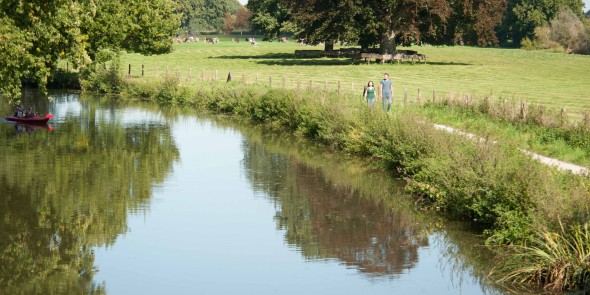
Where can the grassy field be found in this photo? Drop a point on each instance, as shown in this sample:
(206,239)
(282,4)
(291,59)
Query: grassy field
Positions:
(553,79)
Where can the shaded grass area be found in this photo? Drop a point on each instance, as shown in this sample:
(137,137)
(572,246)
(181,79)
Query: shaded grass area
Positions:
(553,79)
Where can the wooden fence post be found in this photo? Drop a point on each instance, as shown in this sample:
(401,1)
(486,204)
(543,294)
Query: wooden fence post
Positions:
(215,75)
(142,71)
(129,71)
(433,96)
(562,117)
(523,110)
(338,87)
(228,77)
(283,82)
(270,81)
(310,84)
(166,72)
(586,120)
(298,85)
(405,95)
(190,74)
(419,98)
(352,87)
(243,78)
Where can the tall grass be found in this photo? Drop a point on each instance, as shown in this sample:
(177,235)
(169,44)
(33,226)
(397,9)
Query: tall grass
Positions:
(556,260)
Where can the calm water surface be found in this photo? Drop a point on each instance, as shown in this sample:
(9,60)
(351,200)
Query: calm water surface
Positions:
(130,199)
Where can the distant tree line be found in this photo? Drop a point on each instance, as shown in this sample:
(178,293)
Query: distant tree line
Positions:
(388,23)
(212,16)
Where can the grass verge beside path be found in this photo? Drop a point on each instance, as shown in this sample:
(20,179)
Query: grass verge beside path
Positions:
(569,144)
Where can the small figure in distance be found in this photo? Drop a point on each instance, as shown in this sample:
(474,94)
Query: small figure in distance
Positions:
(386,90)
(370,94)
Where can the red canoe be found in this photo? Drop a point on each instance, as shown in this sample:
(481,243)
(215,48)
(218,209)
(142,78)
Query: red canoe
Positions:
(30,120)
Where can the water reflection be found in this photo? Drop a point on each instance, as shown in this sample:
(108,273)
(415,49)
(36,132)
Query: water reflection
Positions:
(361,217)
(329,221)
(67,191)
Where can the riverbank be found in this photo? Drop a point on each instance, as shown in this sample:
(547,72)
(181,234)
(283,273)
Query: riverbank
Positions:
(478,181)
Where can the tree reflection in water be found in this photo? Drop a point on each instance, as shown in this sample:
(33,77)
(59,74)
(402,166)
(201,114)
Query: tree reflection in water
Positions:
(326,220)
(70,190)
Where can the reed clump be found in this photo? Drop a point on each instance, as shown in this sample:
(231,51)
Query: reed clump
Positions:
(555,260)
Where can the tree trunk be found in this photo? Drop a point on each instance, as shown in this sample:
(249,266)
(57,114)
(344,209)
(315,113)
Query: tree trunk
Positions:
(329,46)
(387,45)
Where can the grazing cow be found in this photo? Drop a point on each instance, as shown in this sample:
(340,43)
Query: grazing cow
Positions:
(212,40)
(301,41)
(283,40)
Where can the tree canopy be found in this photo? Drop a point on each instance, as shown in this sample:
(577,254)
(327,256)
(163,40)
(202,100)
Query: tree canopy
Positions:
(523,16)
(271,17)
(388,23)
(36,34)
(382,23)
(205,15)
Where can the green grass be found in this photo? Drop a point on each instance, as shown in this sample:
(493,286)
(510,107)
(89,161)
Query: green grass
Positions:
(540,139)
(553,79)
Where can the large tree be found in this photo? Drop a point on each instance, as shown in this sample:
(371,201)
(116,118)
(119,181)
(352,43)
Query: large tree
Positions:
(409,21)
(242,21)
(271,17)
(474,22)
(523,16)
(326,21)
(393,22)
(36,34)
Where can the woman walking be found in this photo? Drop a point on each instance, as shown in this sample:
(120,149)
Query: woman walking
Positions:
(370,94)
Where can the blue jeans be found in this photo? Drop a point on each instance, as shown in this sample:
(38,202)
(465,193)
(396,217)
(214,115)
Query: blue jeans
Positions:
(387,99)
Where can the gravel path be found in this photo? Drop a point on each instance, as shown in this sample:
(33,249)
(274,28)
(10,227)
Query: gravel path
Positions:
(561,165)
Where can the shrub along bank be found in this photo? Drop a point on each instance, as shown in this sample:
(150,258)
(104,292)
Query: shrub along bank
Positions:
(509,195)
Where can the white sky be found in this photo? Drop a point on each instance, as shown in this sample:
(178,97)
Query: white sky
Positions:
(246,1)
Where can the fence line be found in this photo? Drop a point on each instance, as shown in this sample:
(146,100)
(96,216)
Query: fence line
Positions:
(514,110)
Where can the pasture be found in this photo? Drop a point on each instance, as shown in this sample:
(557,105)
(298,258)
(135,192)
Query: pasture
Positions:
(553,79)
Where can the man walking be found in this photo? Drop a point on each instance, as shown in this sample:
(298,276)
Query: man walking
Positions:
(386,90)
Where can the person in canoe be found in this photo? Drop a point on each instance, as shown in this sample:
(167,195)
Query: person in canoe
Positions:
(19,112)
(30,113)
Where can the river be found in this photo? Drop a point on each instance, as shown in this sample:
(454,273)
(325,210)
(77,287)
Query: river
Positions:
(130,198)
